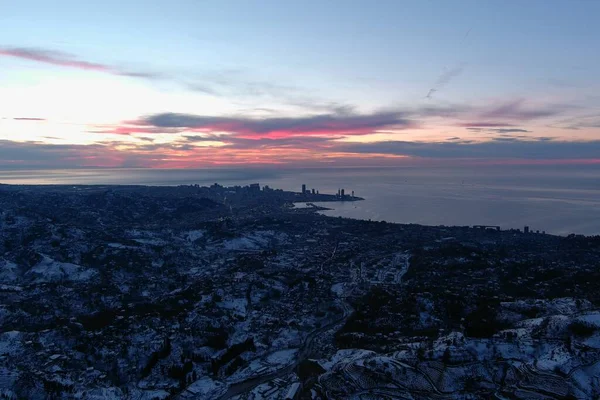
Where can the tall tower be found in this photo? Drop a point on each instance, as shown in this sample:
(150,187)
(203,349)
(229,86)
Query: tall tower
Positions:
(303,188)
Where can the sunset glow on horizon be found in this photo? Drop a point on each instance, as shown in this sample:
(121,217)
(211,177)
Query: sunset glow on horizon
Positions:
(193,85)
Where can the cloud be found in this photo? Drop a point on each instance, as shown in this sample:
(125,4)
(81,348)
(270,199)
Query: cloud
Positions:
(230,83)
(446,111)
(207,137)
(500,130)
(430,93)
(28,119)
(506,139)
(513,148)
(515,110)
(580,122)
(129,130)
(297,142)
(19,155)
(277,127)
(62,59)
(479,125)
(444,79)
(292,151)
(247,89)
(33,154)
(507,114)
(43,155)
(508,130)
(340,120)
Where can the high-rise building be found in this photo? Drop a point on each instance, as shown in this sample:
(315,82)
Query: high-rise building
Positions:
(313,191)
(303,189)
(526,229)
(342,192)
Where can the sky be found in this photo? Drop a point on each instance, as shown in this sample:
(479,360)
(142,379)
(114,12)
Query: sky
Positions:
(193,84)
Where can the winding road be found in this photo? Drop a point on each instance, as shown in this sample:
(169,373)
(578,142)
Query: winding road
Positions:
(306,349)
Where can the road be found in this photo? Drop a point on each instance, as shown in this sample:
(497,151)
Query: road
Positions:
(307,346)
(306,349)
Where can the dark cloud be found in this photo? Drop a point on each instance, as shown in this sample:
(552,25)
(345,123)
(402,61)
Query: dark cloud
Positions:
(511,149)
(324,124)
(508,130)
(28,119)
(42,155)
(296,142)
(285,150)
(343,120)
(498,130)
(207,137)
(107,154)
(480,125)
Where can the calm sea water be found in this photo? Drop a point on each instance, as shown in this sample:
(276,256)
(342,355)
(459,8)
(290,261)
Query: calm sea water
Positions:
(558,200)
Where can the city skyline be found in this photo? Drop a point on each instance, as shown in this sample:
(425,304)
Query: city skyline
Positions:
(192,85)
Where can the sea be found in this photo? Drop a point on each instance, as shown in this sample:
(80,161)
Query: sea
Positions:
(556,199)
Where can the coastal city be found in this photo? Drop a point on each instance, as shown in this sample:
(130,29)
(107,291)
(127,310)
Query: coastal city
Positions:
(247,292)
(300,200)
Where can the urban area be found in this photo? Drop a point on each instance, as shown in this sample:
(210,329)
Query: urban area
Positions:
(191,292)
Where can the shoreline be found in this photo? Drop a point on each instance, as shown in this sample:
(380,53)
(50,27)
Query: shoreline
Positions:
(277,195)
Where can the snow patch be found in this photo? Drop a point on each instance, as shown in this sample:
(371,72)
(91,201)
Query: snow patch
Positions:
(49,270)
(192,236)
(206,388)
(282,357)
(11,343)
(9,272)
(338,289)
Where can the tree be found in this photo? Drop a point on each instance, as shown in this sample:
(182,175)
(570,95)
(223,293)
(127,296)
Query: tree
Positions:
(447,356)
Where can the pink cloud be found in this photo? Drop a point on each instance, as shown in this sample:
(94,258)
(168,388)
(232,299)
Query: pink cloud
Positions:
(282,127)
(62,59)
(53,57)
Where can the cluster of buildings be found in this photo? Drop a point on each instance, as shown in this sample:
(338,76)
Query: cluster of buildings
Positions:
(141,292)
(526,229)
(341,193)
